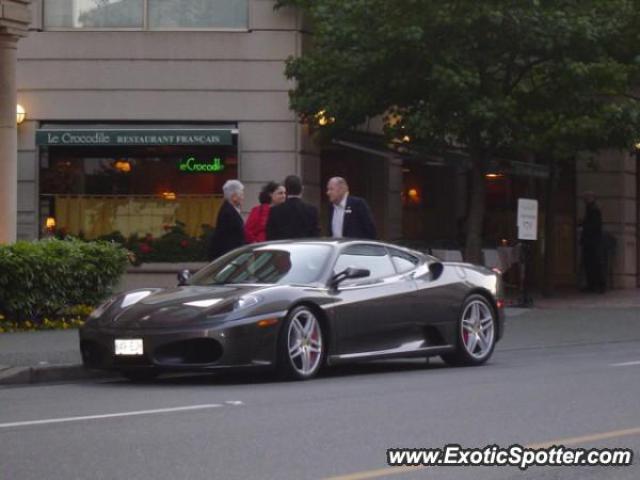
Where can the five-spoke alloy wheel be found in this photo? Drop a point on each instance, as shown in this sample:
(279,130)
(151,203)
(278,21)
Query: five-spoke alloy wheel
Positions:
(476,336)
(301,344)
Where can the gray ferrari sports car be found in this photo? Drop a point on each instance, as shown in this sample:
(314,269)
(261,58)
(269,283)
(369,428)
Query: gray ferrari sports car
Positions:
(297,306)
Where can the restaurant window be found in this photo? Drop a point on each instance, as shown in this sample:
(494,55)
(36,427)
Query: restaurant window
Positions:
(197,14)
(146,14)
(94,192)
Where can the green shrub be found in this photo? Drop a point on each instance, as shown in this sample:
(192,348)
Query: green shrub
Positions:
(45,278)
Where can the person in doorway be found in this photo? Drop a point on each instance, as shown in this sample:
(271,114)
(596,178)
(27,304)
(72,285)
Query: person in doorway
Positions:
(592,247)
(349,216)
(229,232)
(255,230)
(293,218)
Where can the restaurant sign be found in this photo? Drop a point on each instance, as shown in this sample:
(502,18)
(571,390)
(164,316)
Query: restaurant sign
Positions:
(191,165)
(135,137)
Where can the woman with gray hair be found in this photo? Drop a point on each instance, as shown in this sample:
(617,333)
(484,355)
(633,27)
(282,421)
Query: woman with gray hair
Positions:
(229,232)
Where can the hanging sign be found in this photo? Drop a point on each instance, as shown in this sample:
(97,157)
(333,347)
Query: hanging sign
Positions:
(136,137)
(527,219)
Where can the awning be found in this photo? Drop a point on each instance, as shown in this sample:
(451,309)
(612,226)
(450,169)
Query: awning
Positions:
(83,137)
(379,146)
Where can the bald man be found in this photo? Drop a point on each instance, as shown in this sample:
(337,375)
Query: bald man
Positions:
(349,216)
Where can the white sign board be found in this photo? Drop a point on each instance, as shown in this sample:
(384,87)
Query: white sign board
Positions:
(527,219)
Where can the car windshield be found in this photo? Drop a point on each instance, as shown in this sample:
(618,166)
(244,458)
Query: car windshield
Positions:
(268,264)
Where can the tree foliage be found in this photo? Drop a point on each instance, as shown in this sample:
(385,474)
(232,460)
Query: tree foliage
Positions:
(544,76)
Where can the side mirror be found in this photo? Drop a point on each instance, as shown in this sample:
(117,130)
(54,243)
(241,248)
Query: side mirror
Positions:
(436,269)
(348,273)
(183,278)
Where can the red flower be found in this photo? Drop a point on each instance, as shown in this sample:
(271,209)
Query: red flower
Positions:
(145,248)
(184,243)
(149,237)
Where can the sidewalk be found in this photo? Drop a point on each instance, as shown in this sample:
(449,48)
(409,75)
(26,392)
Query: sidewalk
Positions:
(31,357)
(46,356)
(572,299)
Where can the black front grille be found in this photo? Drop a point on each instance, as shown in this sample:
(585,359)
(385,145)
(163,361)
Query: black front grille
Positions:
(196,351)
(131,361)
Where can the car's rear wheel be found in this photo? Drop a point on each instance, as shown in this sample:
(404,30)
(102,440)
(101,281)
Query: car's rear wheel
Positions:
(142,375)
(476,333)
(301,346)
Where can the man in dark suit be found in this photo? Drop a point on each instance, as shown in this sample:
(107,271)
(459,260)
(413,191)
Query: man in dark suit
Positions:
(293,218)
(349,216)
(229,233)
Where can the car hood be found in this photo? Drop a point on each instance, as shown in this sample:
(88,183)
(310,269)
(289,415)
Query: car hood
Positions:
(171,307)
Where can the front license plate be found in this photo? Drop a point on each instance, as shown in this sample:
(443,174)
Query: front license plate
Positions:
(131,346)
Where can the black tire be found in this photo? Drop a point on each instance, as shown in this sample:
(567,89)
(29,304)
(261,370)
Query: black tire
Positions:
(483,348)
(142,375)
(291,365)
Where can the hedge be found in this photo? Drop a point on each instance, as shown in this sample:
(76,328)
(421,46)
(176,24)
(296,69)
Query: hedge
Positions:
(43,279)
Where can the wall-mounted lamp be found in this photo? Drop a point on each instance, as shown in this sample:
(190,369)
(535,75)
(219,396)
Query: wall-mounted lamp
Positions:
(50,224)
(21,114)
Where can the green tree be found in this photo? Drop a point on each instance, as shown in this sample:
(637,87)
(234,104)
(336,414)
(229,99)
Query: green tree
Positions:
(548,77)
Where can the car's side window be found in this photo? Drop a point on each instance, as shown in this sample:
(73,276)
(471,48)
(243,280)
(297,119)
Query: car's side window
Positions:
(403,261)
(371,257)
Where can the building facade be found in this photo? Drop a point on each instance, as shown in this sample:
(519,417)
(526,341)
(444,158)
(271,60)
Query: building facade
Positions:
(138,110)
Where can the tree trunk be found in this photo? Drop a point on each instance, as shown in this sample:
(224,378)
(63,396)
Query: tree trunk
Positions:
(475,219)
(549,230)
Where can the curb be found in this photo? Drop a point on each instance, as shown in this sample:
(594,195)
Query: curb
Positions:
(48,373)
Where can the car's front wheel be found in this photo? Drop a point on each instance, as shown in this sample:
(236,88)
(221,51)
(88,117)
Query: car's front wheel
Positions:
(301,345)
(476,333)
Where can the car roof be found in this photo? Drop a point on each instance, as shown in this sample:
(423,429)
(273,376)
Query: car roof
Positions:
(340,242)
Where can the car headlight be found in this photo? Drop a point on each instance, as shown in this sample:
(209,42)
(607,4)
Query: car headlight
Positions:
(246,301)
(134,297)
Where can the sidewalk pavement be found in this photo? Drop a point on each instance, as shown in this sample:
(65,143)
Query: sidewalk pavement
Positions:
(47,356)
(571,299)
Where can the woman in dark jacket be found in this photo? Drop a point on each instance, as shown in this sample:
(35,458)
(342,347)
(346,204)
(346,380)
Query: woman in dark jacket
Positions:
(255,230)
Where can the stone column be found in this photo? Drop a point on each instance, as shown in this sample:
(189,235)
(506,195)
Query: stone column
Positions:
(14,20)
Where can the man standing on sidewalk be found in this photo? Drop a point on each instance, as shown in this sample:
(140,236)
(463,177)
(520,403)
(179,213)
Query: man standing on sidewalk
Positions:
(592,247)
(294,218)
(349,216)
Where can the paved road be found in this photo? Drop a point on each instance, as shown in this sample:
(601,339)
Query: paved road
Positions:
(559,375)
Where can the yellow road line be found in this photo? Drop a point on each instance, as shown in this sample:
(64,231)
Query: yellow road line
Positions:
(588,438)
(389,471)
(382,472)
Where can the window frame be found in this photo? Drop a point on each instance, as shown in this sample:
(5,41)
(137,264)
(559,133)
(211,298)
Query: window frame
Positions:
(145,24)
(408,254)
